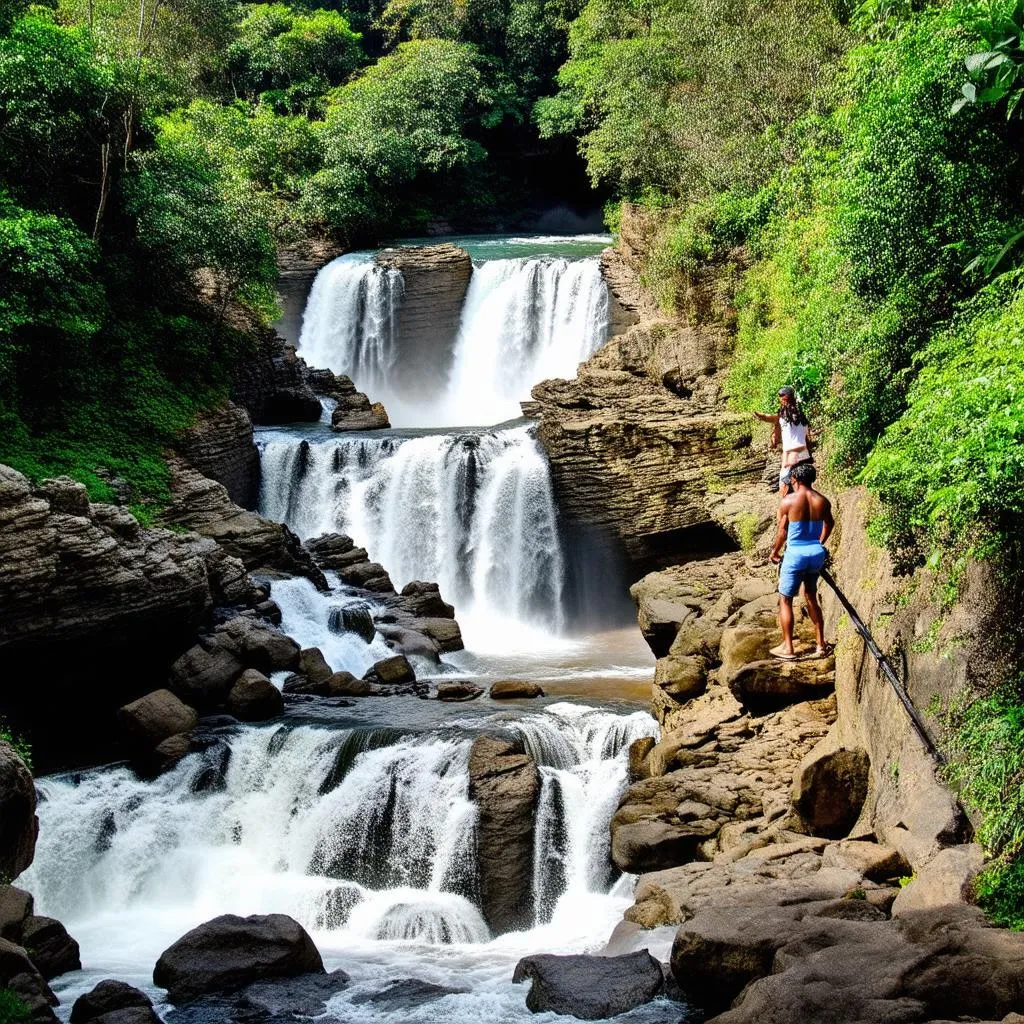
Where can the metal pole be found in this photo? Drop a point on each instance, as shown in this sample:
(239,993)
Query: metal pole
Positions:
(886,668)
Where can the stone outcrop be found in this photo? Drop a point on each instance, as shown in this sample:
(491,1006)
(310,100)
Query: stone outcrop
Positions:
(590,987)
(219,444)
(436,278)
(273,384)
(93,609)
(504,782)
(352,410)
(297,267)
(204,506)
(19,825)
(416,621)
(230,952)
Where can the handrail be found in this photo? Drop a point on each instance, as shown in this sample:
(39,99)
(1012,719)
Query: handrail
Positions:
(886,668)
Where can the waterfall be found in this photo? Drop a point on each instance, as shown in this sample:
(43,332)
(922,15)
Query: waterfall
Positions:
(366,832)
(523,320)
(473,511)
(350,324)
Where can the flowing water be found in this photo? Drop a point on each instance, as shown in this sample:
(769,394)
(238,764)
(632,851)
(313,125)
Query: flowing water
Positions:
(356,819)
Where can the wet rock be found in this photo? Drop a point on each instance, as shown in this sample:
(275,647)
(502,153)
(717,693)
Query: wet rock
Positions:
(313,665)
(258,644)
(165,755)
(367,575)
(406,994)
(504,783)
(334,551)
(50,947)
(344,684)
(289,997)
(229,952)
(424,600)
(19,974)
(204,674)
(212,777)
(353,619)
(107,997)
(153,718)
(829,788)
(254,698)
(638,751)
(460,691)
(19,825)
(514,689)
(394,671)
(15,906)
(299,685)
(590,987)
(373,417)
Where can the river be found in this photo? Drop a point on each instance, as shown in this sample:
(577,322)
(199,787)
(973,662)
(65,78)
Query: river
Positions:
(356,819)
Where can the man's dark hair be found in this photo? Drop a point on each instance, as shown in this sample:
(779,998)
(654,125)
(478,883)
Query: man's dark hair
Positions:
(804,473)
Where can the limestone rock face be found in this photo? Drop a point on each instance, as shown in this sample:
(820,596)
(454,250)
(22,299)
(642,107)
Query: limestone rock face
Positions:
(203,505)
(590,987)
(18,823)
(436,278)
(229,952)
(504,783)
(220,446)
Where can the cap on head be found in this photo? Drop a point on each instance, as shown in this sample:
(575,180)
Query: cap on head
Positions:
(787,391)
(804,473)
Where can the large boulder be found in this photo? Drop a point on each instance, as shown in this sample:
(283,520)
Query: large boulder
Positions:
(313,665)
(254,698)
(462,690)
(151,719)
(108,997)
(204,674)
(16,906)
(258,644)
(829,789)
(19,825)
(50,947)
(395,671)
(590,987)
(514,689)
(19,975)
(230,952)
(504,782)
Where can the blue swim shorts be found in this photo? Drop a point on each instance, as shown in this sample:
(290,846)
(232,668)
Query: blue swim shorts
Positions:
(797,570)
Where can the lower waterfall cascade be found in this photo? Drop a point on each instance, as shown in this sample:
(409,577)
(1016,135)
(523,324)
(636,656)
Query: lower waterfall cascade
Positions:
(355,817)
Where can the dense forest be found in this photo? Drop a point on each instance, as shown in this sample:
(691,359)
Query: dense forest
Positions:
(854,172)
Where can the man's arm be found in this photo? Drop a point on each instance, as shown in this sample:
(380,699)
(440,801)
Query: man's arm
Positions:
(783,530)
(827,520)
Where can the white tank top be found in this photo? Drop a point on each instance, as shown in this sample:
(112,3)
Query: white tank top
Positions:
(794,435)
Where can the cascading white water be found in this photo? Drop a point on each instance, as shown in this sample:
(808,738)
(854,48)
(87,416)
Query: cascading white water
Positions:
(364,834)
(473,511)
(523,320)
(350,324)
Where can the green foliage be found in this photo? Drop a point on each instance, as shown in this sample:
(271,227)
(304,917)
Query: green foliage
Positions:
(23,749)
(290,57)
(996,73)
(688,96)
(986,764)
(951,468)
(13,1009)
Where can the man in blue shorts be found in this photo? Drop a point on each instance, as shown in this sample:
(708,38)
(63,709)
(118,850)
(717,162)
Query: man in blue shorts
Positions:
(805,522)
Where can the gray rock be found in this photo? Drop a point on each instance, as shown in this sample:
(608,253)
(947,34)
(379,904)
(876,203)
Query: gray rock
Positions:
(165,755)
(19,974)
(394,671)
(149,720)
(254,698)
(313,665)
(829,789)
(50,947)
(15,906)
(19,825)
(406,994)
(105,998)
(514,689)
(460,691)
(590,987)
(203,675)
(304,995)
(947,878)
(230,952)
(344,684)
(504,783)
(258,644)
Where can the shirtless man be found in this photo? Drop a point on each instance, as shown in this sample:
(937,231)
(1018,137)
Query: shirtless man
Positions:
(805,522)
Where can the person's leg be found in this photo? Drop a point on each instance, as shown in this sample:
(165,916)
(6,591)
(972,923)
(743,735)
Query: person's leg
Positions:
(815,615)
(785,649)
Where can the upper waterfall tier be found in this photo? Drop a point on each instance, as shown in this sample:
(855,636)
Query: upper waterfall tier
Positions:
(523,319)
(472,510)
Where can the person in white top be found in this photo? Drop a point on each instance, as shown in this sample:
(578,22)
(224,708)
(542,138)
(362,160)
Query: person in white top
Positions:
(793,431)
